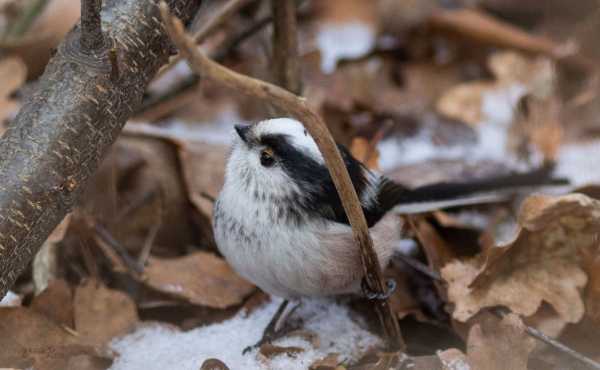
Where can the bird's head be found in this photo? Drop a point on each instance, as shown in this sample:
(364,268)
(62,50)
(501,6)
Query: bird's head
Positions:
(277,156)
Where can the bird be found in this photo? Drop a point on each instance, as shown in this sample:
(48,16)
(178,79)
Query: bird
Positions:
(279,221)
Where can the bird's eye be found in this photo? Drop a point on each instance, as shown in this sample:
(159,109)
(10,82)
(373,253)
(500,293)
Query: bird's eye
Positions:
(266,158)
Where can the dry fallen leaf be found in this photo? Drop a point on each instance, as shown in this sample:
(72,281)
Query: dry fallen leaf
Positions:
(515,75)
(12,75)
(365,152)
(495,344)
(268,351)
(101,313)
(56,303)
(213,364)
(591,263)
(464,102)
(30,340)
(540,264)
(329,362)
(203,168)
(200,278)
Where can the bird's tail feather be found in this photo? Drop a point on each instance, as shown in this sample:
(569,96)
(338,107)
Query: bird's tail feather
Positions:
(452,194)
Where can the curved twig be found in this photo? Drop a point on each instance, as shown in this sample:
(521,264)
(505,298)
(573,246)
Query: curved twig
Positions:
(297,107)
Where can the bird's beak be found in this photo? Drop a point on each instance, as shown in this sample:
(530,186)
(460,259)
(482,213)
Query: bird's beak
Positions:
(243,131)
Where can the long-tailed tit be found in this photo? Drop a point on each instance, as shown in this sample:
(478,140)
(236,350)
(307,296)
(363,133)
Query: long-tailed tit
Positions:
(280,223)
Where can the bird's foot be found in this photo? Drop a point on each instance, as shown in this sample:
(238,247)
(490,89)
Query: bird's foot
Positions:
(373,295)
(272,336)
(271,332)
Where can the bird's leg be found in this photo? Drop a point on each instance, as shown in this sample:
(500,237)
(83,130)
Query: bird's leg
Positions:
(271,333)
(370,294)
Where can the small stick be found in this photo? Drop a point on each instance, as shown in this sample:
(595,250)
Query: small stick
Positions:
(149,242)
(222,14)
(105,236)
(297,107)
(228,46)
(92,38)
(285,45)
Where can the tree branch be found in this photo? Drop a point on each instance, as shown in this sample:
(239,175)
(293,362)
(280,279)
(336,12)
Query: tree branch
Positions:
(224,13)
(66,126)
(285,45)
(297,107)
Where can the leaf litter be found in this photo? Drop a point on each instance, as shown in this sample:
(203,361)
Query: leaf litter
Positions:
(401,85)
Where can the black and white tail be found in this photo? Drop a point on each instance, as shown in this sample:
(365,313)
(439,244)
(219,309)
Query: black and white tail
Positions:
(403,200)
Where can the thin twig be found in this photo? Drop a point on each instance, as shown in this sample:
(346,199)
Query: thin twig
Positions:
(92,38)
(226,48)
(222,14)
(501,311)
(286,64)
(149,241)
(297,107)
(105,236)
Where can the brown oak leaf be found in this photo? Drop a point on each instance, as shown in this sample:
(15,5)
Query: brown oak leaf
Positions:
(542,263)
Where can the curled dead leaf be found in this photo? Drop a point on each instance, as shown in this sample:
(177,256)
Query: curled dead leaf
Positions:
(542,263)
(591,264)
(200,278)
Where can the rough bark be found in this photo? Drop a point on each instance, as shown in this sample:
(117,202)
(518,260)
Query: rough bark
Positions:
(65,127)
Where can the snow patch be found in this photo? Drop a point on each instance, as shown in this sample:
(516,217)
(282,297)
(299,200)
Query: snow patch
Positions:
(579,163)
(406,246)
(338,41)
(10,300)
(498,109)
(159,347)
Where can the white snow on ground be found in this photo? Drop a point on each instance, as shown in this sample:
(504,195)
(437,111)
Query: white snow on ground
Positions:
(158,347)
(492,135)
(338,41)
(10,300)
(580,162)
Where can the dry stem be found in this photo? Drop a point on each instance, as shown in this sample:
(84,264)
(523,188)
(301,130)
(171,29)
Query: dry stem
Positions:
(285,45)
(224,13)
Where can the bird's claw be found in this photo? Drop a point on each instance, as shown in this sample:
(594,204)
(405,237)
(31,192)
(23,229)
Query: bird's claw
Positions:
(373,295)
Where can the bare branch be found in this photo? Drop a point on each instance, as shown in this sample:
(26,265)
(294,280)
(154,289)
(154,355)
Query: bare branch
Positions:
(224,13)
(285,45)
(297,107)
(66,126)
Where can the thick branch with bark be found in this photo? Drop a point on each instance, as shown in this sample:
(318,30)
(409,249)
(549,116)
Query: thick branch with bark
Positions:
(297,107)
(66,126)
